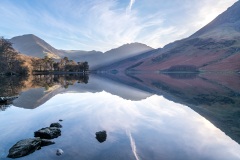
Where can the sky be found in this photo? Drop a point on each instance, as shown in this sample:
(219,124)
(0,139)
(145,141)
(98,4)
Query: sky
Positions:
(105,24)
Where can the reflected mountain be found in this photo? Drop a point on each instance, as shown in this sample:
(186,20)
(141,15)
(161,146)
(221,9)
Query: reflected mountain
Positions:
(41,88)
(36,90)
(189,75)
(215,96)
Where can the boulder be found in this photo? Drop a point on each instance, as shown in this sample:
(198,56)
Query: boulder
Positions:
(59,152)
(48,133)
(24,147)
(101,136)
(57,125)
(45,142)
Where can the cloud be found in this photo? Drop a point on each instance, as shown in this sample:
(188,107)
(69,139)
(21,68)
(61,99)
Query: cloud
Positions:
(106,24)
(129,8)
(133,145)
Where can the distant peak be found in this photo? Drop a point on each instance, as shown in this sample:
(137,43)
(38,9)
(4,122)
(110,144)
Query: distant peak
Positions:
(134,44)
(28,37)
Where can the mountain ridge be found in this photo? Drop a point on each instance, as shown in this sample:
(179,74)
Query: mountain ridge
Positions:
(34,46)
(215,47)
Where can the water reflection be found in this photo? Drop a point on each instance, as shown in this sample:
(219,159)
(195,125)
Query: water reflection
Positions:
(153,128)
(183,75)
(214,96)
(37,89)
(11,86)
(146,116)
(3,107)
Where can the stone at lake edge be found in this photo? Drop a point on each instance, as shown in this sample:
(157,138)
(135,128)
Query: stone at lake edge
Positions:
(59,152)
(28,146)
(101,136)
(45,142)
(24,147)
(57,125)
(48,133)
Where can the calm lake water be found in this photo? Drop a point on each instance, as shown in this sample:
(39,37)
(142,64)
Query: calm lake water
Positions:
(145,116)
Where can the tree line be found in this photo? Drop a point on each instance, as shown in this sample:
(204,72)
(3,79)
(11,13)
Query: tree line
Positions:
(62,65)
(9,61)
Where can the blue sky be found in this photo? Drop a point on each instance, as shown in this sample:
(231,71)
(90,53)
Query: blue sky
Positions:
(105,24)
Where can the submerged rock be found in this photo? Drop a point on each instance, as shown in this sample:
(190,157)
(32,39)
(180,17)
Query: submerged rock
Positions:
(57,125)
(48,133)
(45,142)
(28,146)
(101,136)
(24,147)
(59,152)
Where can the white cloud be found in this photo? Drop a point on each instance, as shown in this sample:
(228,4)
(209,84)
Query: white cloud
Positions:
(105,24)
(211,9)
(129,8)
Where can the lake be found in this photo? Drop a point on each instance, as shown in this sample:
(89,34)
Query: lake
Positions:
(144,116)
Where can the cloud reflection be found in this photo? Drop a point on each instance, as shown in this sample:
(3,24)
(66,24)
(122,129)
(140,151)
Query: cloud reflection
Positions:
(161,128)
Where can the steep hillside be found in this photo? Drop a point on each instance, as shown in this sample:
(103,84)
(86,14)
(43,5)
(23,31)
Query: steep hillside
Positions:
(215,47)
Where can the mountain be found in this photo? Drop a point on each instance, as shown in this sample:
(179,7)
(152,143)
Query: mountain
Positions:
(32,45)
(212,95)
(225,26)
(215,47)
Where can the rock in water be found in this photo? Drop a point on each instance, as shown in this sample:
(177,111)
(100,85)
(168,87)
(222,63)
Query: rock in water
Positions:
(45,142)
(59,152)
(101,136)
(58,125)
(60,120)
(48,133)
(24,147)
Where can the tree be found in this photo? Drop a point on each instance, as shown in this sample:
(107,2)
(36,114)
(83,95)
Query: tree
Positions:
(9,61)
(85,67)
(56,66)
(63,65)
